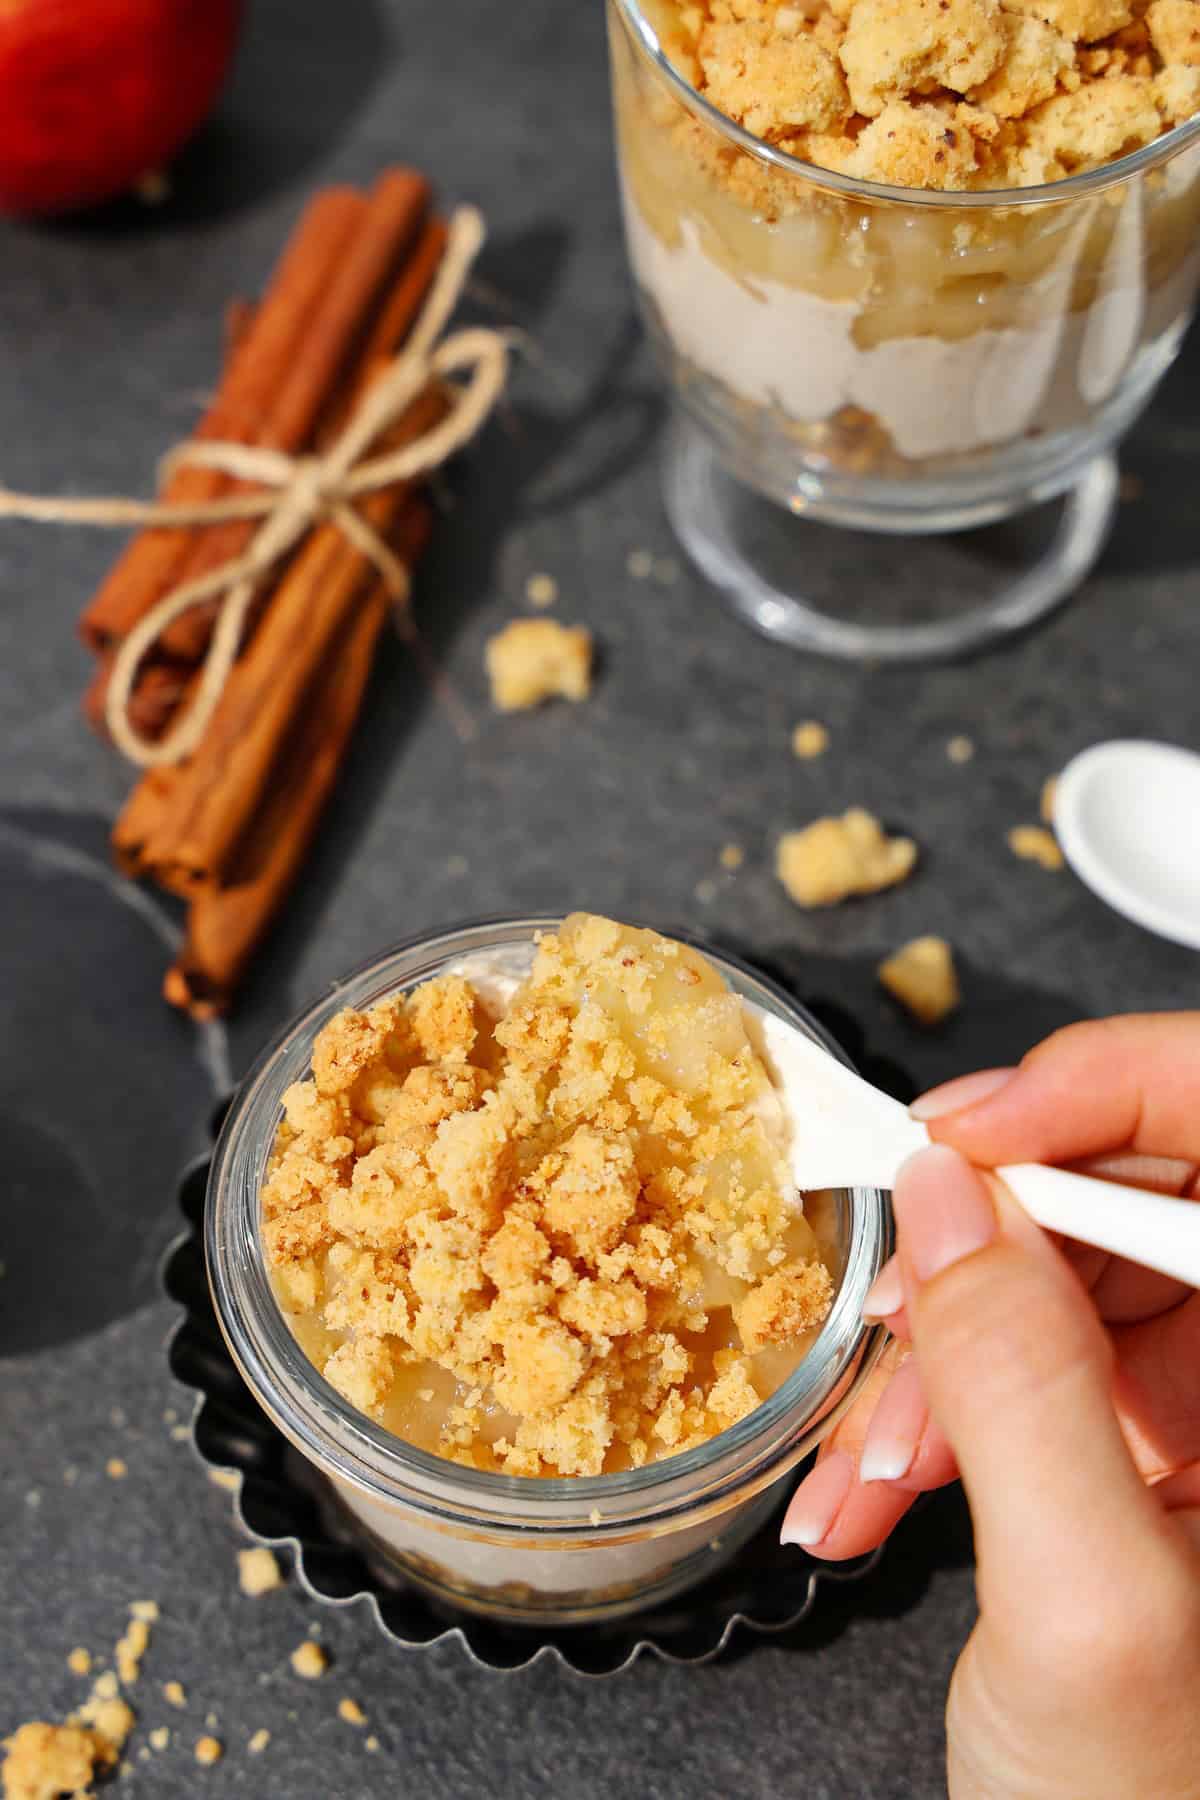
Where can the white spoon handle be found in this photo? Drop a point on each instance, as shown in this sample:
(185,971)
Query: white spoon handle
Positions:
(1155,1230)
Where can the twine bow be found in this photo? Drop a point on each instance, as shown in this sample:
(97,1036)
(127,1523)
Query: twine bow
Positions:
(300,492)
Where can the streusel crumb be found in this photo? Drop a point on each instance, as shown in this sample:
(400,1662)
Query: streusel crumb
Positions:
(258,1572)
(553,1240)
(533,660)
(834,858)
(921,975)
(309,1660)
(948,94)
(46,1761)
(1033,843)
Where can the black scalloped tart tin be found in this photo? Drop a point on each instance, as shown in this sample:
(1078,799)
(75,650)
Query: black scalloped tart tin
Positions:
(282,1502)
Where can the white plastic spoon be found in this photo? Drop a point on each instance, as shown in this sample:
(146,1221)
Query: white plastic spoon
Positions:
(1127,814)
(852,1135)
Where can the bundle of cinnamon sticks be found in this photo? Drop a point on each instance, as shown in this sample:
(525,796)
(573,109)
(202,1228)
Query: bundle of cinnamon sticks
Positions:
(228,827)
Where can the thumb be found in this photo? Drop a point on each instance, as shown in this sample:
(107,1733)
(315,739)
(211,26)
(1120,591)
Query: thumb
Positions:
(1018,1372)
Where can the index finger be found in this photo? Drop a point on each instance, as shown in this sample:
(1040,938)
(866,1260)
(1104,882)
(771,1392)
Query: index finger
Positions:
(1129,1083)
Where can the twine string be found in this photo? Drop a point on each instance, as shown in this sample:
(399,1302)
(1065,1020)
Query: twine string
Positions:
(298,493)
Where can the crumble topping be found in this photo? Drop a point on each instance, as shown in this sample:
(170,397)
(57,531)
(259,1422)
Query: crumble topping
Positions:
(948,94)
(1033,843)
(921,975)
(553,1241)
(533,660)
(834,858)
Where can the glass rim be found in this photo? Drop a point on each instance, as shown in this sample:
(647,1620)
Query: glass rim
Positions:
(1071,187)
(353,1449)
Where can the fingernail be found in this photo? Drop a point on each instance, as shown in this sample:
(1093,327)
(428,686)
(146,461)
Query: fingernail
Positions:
(818,1500)
(896,1427)
(943,1211)
(885,1295)
(954,1096)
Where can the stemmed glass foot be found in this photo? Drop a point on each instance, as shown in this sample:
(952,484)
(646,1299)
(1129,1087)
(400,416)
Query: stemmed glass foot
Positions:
(875,597)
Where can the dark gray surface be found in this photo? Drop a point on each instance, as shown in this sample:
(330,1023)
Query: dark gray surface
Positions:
(109,332)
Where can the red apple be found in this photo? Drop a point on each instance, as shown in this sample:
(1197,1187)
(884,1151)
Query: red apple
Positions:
(95,94)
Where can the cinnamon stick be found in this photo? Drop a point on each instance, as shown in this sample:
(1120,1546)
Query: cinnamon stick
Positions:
(227,920)
(148,826)
(400,308)
(335,331)
(223,784)
(157,694)
(141,816)
(260,362)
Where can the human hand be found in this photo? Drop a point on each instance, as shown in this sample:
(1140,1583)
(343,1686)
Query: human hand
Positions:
(1064,1386)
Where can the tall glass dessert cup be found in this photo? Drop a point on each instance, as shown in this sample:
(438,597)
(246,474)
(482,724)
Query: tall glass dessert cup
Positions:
(895,360)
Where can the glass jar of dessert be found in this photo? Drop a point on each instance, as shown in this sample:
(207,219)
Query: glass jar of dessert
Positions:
(911,265)
(502,1236)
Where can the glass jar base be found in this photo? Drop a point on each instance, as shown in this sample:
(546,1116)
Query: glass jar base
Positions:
(865,596)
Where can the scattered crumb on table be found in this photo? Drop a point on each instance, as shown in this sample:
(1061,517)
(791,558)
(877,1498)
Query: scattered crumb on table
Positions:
(309,1660)
(79,1661)
(160,1737)
(115,1468)
(173,1693)
(1033,843)
(831,859)
(209,1750)
(1047,801)
(351,1712)
(259,1741)
(541,590)
(229,1479)
(921,975)
(809,739)
(533,660)
(258,1572)
(130,1650)
(44,1760)
(732,856)
(960,749)
(640,564)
